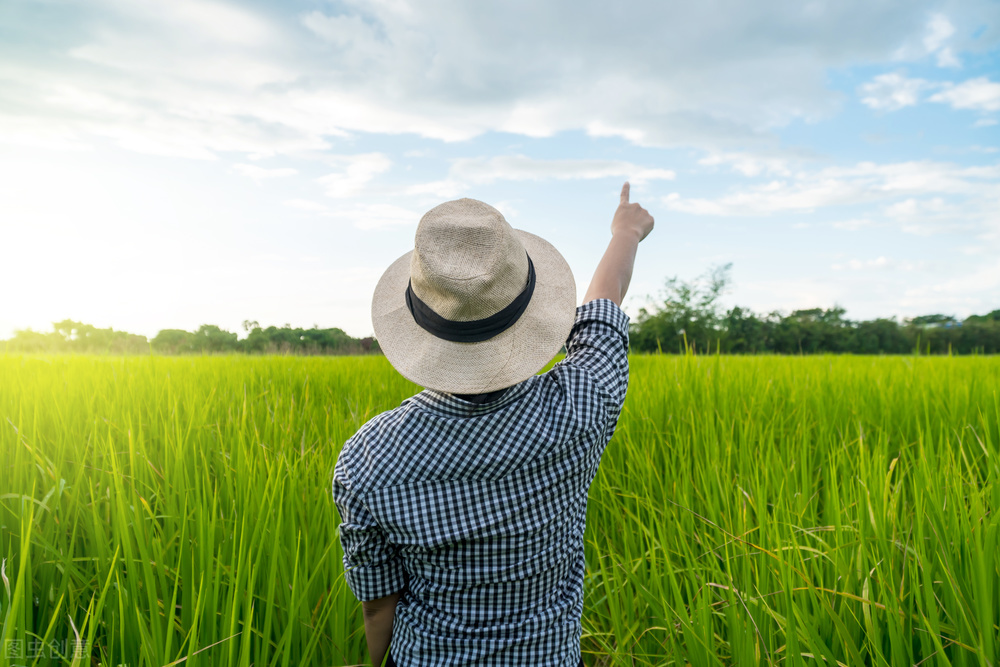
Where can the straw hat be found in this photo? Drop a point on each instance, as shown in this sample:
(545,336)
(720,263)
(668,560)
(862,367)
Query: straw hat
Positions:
(476,306)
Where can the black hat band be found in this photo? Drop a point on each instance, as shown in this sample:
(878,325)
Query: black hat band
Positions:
(473,331)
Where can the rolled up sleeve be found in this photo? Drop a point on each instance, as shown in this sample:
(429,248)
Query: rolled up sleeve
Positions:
(598,342)
(372,566)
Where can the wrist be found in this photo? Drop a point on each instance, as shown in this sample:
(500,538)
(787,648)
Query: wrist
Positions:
(627,234)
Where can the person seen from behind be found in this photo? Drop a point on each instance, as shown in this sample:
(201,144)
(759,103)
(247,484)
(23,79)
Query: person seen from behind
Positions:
(463,509)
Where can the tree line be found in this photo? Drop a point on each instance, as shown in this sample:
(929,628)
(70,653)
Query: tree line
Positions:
(72,336)
(689,318)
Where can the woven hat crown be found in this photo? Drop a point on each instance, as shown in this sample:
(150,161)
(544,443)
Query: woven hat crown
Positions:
(467,262)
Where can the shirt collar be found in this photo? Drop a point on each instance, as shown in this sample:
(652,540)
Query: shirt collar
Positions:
(451,406)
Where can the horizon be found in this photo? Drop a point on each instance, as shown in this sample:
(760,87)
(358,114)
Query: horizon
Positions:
(167,165)
(242,333)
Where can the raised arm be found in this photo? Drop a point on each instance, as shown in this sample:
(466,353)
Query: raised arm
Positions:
(631,224)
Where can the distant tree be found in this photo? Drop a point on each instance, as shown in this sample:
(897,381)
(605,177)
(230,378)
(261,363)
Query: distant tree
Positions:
(288,340)
(880,336)
(73,336)
(745,332)
(992,316)
(256,340)
(173,341)
(26,340)
(210,338)
(817,330)
(689,315)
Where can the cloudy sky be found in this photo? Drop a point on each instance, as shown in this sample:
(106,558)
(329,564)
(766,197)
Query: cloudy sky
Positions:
(169,163)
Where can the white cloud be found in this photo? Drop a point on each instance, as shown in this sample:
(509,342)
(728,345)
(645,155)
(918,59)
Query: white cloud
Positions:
(345,32)
(507,209)
(523,168)
(939,30)
(37,133)
(358,171)
(190,41)
(362,216)
(974,250)
(773,197)
(259,174)
(920,197)
(980,94)
(967,27)
(930,215)
(206,19)
(196,78)
(446,189)
(912,208)
(465,172)
(890,92)
(748,164)
(377,216)
(945,58)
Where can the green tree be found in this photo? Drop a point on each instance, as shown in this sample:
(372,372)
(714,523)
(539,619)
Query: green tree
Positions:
(210,338)
(934,321)
(880,336)
(745,331)
(992,316)
(688,317)
(173,341)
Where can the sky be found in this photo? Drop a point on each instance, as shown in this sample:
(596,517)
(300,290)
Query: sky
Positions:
(167,164)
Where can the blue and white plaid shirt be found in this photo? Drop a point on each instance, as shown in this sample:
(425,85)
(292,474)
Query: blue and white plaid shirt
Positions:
(478,511)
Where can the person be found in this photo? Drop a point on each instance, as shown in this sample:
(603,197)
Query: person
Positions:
(463,509)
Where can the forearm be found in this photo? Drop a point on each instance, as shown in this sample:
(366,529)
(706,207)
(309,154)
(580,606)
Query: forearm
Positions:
(631,224)
(614,271)
(379,616)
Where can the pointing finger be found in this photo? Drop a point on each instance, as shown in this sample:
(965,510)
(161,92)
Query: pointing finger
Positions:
(625,189)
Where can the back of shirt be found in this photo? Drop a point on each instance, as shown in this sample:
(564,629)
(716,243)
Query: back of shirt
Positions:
(479,511)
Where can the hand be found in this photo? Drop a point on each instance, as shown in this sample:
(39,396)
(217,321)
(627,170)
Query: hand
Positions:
(631,218)
(631,224)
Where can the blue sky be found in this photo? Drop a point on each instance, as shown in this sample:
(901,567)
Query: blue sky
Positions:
(169,164)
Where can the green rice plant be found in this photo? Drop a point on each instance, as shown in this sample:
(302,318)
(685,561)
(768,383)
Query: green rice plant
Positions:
(749,511)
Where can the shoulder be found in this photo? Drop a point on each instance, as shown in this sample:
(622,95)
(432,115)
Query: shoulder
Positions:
(362,453)
(602,314)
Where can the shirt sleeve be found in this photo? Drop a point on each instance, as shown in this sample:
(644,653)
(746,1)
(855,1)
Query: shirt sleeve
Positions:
(598,342)
(372,566)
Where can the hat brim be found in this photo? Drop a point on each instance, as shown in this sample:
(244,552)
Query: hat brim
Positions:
(509,357)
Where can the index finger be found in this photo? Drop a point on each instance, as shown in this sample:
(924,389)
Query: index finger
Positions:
(625,189)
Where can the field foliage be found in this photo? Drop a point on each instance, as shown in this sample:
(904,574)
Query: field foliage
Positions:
(749,511)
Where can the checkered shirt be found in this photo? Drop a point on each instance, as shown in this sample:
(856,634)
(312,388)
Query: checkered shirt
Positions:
(478,511)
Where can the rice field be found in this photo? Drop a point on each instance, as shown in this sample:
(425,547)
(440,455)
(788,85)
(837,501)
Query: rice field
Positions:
(819,510)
